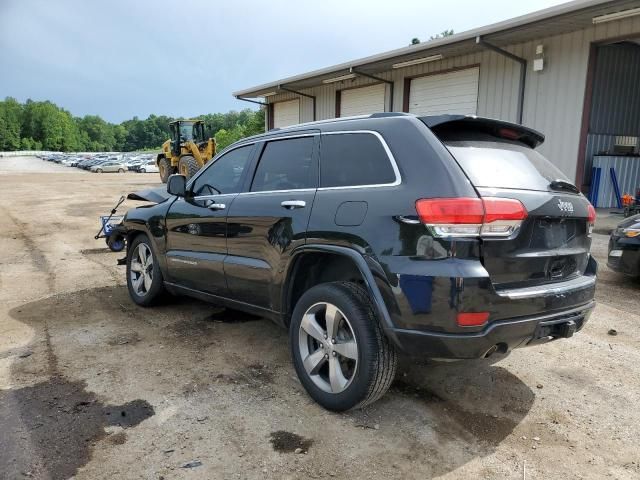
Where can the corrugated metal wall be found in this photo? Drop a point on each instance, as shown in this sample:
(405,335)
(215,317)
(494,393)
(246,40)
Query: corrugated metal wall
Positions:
(628,175)
(597,144)
(553,97)
(615,108)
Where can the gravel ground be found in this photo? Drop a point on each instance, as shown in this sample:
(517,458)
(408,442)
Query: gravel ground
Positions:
(94,387)
(24,165)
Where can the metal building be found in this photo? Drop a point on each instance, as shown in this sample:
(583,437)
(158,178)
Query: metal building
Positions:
(539,69)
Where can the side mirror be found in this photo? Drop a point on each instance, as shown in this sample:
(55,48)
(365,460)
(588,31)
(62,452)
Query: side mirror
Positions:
(177,185)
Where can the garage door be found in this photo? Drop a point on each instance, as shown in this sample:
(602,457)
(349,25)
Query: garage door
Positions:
(286,113)
(454,92)
(362,101)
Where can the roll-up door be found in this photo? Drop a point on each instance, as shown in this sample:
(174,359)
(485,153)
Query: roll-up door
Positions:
(453,92)
(286,113)
(362,101)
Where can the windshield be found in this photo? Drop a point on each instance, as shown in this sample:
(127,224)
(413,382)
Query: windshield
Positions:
(501,164)
(186,131)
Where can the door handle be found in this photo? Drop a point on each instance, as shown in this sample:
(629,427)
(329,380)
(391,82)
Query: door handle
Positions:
(210,198)
(217,206)
(293,204)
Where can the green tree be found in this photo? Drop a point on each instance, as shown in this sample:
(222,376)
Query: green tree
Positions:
(225,137)
(445,33)
(44,125)
(10,124)
(99,134)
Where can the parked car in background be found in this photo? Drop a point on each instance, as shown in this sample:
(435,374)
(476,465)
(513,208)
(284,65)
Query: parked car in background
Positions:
(90,163)
(134,165)
(441,237)
(148,167)
(109,167)
(624,247)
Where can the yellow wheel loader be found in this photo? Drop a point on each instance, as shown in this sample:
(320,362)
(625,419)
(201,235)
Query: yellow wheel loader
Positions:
(186,151)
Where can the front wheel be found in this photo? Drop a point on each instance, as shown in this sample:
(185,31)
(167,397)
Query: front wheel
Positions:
(144,277)
(99,170)
(121,170)
(340,353)
(188,166)
(142,170)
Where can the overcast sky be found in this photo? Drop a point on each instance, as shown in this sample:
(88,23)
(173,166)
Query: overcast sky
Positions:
(125,58)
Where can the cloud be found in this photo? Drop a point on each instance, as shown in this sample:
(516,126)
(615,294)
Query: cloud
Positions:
(120,58)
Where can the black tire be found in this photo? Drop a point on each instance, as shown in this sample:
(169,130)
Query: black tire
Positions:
(142,170)
(165,169)
(98,170)
(121,170)
(376,356)
(156,289)
(188,166)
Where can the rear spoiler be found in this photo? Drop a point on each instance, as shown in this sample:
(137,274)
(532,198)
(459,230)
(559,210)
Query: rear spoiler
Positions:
(498,128)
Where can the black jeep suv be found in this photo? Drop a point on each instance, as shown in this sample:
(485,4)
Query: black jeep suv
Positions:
(444,237)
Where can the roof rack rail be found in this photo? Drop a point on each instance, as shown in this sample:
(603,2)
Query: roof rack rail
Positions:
(390,114)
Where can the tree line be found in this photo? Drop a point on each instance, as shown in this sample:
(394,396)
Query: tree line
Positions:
(45,126)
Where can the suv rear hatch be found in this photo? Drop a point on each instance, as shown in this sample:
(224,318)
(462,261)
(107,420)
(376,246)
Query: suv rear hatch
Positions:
(551,243)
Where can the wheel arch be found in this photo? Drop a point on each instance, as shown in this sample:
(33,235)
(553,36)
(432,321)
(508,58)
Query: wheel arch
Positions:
(133,228)
(331,259)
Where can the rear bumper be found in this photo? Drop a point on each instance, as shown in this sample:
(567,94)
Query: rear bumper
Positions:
(501,336)
(424,308)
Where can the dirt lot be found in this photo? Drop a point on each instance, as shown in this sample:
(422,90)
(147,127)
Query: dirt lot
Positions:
(93,386)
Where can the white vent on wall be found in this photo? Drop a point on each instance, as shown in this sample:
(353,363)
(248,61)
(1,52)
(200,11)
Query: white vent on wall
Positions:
(623,141)
(625,145)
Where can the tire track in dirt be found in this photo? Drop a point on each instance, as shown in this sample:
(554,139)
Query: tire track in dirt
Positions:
(38,258)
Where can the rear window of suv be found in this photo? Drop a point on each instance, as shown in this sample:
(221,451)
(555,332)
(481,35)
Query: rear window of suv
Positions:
(492,162)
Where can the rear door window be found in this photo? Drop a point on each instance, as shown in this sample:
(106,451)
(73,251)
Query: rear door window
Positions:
(286,164)
(354,159)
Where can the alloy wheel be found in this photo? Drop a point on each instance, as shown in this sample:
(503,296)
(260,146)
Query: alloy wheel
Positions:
(328,348)
(141,269)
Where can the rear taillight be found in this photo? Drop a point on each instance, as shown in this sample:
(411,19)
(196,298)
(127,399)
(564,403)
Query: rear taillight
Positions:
(471,217)
(591,218)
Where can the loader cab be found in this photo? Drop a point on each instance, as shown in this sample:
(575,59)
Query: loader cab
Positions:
(183,131)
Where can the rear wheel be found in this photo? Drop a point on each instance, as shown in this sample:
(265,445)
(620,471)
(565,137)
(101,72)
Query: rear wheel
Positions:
(339,350)
(165,169)
(188,166)
(144,278)
(121,170)
(142,170)
(99,170)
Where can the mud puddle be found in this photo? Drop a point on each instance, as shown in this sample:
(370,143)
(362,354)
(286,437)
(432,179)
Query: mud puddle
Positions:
(287,442)
(49,428)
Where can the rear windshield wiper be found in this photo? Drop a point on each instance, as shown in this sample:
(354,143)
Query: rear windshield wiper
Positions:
(563,186)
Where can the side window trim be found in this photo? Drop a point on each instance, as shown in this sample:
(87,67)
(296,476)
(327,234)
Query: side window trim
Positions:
(222,155)
(385,146)
(258,153)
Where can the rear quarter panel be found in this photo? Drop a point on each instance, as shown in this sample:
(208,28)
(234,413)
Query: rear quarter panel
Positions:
(390,236)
